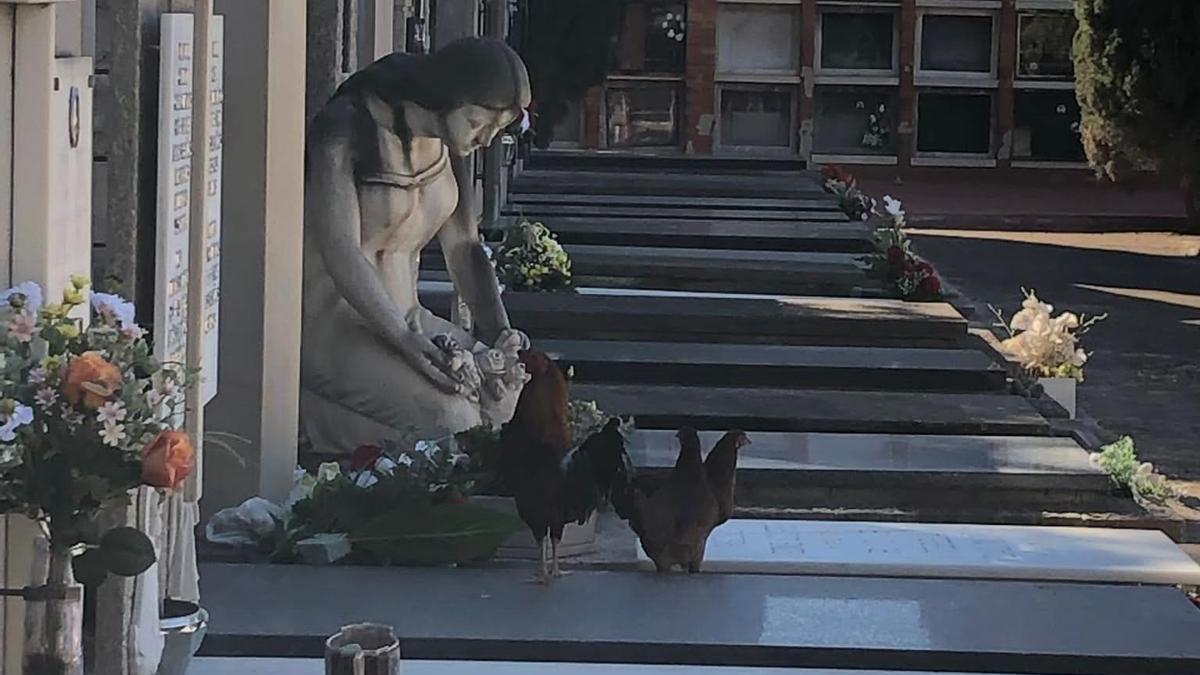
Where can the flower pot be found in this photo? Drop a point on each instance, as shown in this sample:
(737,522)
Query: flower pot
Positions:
(1062,390)
(363,649)
(183,625)
(53,615)
(577,539)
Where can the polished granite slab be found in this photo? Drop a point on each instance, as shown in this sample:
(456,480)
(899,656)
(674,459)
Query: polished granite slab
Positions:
(828,213)
(905,369)
(704,317)
(720,234)
(779,271)
(799,410)
(527,200)
(710,619)
(1028,461)
(933,550)
(663,183)
(260,666)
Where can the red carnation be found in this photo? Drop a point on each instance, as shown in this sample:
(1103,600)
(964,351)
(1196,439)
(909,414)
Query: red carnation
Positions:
(895,256)
(930,286)
(365,457)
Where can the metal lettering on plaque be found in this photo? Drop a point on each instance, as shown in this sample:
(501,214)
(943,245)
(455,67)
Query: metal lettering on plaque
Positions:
(174,185)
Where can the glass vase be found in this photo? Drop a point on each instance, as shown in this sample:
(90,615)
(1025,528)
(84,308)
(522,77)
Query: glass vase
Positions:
(53,615)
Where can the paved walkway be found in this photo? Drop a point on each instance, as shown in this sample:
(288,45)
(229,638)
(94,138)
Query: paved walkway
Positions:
(1144,378)
(1049,201)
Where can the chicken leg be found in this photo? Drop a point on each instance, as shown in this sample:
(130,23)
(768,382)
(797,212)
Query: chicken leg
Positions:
(555,570)
(541,576)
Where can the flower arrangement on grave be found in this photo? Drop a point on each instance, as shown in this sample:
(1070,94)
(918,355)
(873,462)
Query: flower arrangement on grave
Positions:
(529,258)
(390,505)
(674,27)
(1119,460)
(912,277)
(1044,344)
(86,415)
(877,135)
(844,187)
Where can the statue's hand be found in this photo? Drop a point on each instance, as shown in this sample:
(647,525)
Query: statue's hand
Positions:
(432,362)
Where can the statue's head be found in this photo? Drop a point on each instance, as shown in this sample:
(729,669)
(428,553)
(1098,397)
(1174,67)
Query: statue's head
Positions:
(475,88)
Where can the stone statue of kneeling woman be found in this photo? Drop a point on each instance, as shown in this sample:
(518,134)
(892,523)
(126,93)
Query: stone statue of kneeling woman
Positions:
(386,170)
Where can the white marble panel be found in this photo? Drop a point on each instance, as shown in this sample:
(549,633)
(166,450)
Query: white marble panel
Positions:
(947,551)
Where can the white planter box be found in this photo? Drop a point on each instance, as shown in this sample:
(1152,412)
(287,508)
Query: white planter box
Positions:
(577,539)
(1062,390)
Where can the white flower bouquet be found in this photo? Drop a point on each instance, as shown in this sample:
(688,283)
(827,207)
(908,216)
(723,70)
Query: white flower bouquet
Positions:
(1046,345)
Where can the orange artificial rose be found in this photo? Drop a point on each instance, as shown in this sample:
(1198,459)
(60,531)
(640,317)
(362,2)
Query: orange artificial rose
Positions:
(90,380)
(168,460)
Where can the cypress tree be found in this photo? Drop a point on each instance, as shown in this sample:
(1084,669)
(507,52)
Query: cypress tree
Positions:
(1137,67)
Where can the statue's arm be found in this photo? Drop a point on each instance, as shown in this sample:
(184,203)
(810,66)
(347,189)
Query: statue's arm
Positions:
(468,264)
(333,221)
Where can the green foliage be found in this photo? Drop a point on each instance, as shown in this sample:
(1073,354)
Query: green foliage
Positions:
(434,534)
(409,510)
(1138,84)
(568,49)
(126,551)
(482,445)
(531,259)
(1119,460)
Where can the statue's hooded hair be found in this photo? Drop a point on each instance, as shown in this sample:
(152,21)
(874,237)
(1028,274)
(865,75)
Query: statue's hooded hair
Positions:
(481,71)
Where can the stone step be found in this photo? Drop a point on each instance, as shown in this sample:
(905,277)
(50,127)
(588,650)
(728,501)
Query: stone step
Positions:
(831,411)
(700,317)
(728,620)
(840,274)
(945,551)
(892,471)
(665,183)
(624,162)
(709,234)
(825,213)
(606,361)
(537,200)
(280,666)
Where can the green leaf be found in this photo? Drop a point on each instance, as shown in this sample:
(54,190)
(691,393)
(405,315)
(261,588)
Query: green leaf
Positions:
(89,568)
(437,535)
(126,551)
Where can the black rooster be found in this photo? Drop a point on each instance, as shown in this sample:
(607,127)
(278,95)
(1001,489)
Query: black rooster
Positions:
(552,484)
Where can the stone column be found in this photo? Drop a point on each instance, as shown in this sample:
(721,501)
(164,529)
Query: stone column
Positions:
(332,53)
(262,233)
(700,76)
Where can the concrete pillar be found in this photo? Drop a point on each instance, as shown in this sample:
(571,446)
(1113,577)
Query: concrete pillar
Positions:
(375,30)
(906,112)
(263,220)
(808,59)
(45,208)
(331,56)
(494,176)
(1006,70)
(592,103)
(700,119)
(454,19)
